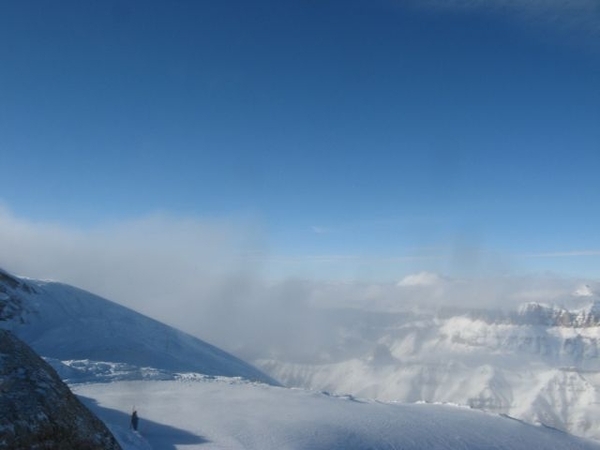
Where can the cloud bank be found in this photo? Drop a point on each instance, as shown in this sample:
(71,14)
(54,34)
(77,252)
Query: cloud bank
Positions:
(158,264)
(202,276)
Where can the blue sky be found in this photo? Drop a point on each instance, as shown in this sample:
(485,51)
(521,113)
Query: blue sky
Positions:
(362,139)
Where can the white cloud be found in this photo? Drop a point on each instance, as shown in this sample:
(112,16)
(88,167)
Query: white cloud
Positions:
(159,265)
(420,279)
(206,277)
(583,291)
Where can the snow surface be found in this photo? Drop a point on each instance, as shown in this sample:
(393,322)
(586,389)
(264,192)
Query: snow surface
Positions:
(196,412)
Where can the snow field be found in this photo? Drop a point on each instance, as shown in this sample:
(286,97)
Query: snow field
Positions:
(221,413)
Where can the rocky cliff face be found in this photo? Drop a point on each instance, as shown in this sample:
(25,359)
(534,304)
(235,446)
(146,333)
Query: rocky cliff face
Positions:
(11,303)
(37,410)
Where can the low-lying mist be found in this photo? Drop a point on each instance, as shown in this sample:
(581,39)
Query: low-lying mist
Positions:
(192,274)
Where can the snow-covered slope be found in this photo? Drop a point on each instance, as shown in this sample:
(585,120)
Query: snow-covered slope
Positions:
(539,363)
(63,323)
(193,395)
(205,414)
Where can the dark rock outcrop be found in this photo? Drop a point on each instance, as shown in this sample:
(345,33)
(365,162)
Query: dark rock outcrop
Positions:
(11,304)
(37,410)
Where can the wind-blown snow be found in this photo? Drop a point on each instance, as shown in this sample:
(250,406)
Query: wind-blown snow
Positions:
(201,413)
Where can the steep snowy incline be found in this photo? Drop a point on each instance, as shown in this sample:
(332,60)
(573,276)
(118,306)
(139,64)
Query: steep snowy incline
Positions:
(66,323)
(207,414)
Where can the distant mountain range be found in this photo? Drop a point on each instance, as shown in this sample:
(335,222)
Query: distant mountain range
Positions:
(539,362)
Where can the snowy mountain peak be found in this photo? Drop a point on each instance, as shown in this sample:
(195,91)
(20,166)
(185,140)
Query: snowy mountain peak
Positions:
(583,291)
(535,313)
(556,316)
(589,315)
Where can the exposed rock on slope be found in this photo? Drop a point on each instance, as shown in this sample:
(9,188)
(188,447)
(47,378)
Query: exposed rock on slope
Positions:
(37,410)
(11,306)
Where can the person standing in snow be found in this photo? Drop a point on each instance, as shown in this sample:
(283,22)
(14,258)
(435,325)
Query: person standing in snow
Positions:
(134,420)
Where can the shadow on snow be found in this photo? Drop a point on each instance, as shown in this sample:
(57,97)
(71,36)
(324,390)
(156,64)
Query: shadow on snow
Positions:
(159,436)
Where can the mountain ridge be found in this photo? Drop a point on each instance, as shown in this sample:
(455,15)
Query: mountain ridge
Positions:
(539,363)
(62,322)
